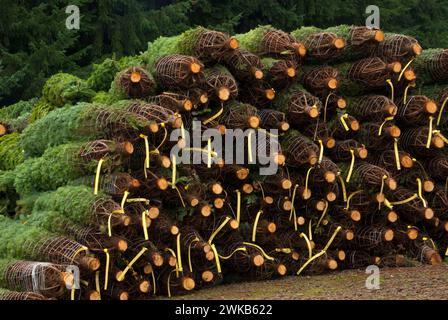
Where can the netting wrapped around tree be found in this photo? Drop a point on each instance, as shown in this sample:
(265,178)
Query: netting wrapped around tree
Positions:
(411,208)
(398,47)
(173,101)
(320,45)
(244,65)
(372,108)
(209,45)
(179,71)
(438,167)
(221,84)
(299,150)
(266,40)
(416,110)
(42,278)
(273,119)
(239,115)
(280,73)
(366,74)
(375,137)
(432,66)
(258,93)
(368,175)
(299,105)
(134,83)
(343,148)
(17,295)
(114,184)
(320,80)
(421,142)
(320,131)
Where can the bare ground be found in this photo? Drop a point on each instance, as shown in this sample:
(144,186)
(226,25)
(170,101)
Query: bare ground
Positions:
(422,282)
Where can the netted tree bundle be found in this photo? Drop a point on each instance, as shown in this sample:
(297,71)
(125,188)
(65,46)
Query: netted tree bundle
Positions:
(438,201)
(421,142)
(377,137)
(320,80)
(416,110)
(220,83)
(31,243)
(258,93)
(373,108)
(155,115)
(387,159)
(77,204)
(438,167)
(239,115)
(299,150)
(368,175)
(42,278)
(320,131)
(244,65)
(206,44)
(198,96)
(324,172)
(266,40)
(343,150)
(411,208)
(321,45)
(424,251)
(355,259)
(344,126)
(103,74)
(245,260)
(114,184)
(63,88)
(398,47)
(366,74)
(11,154)
(320,265)
(300,106)
(432,66)
(17,295)
(64,163)
(83,121)
(370,237)
(280,73)
(174,101)
(179,71)
(134,83)
(273,119)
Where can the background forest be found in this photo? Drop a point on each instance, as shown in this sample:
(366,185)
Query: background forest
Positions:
(34,42)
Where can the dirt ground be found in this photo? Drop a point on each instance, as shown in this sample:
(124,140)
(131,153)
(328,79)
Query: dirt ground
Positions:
(423,282)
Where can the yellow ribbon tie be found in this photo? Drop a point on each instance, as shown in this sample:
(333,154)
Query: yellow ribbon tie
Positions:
(405,96)
(218,263)
(404,69)
(405,200)
(350,197)
(380,129)
(97,283)
(216,115)
(292,201)
(391,89)
(420,193)
(109,225)
(261,249)
(232,253)
(344,190)
(441,110)
(178,193)
(321,151)
(254,229)
(326,104)
(440,135)
(97,176)
(238,203)
(174,255)
(123,200)
(322,215)
(309,230)
(227,219)
(352,164)
(179,255)
(344,124)
(308,244)
(145,227)
(428,142)
(307,178)
(283,250)
(145,138)
(82,249)
(129,266)
(106,271)
(397,155)
(137,200)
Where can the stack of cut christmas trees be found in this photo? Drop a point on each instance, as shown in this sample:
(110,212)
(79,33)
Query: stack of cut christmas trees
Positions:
(88,178)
